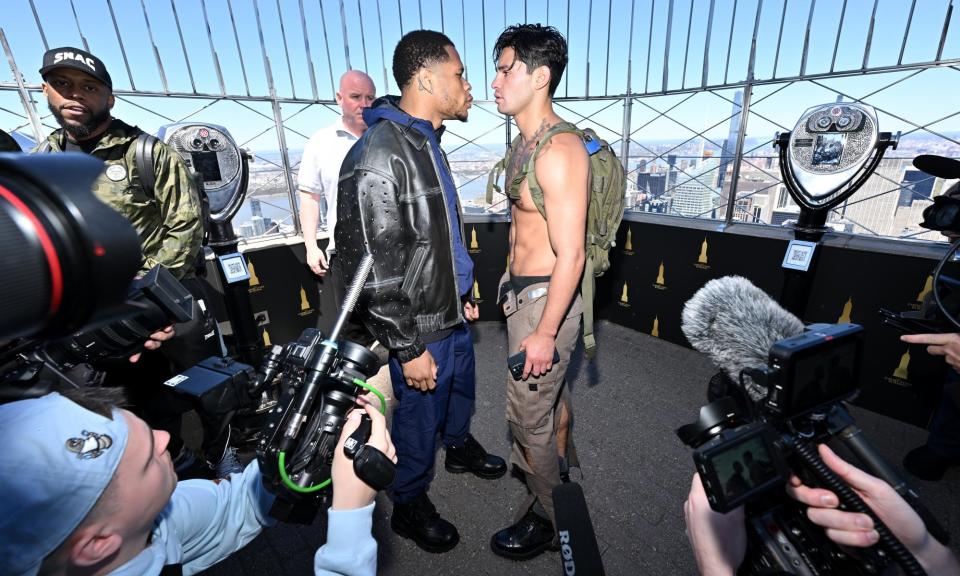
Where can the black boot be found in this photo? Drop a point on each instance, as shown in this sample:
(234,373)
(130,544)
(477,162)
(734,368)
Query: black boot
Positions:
(529,537)
(471,457)
(928,465)
(418,520)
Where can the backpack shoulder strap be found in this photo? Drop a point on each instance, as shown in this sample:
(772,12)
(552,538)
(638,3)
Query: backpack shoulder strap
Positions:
(497,171)
(143,156)
(44,147)
(536,192)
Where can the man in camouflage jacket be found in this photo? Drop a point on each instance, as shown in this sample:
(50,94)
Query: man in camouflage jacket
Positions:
(167,218)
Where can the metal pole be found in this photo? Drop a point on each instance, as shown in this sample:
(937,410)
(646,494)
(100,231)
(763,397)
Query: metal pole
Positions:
(282,139)
(744,114)
(24,95)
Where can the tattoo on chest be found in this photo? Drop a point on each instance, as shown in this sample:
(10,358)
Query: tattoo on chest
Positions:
(524,149)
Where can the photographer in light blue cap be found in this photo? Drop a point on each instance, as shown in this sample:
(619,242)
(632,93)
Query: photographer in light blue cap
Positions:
(88,488)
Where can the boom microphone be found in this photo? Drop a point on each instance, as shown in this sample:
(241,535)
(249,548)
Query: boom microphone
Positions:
(735,323)
(578,543)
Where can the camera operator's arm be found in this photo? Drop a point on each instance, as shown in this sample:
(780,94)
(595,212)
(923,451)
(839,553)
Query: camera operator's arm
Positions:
(855,529)
(350,547)
(719,541)
(946,345)
(155,340)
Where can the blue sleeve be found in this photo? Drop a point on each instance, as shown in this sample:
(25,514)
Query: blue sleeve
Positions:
(213,519)
(350,549)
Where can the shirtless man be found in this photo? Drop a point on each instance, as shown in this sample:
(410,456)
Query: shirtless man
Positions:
(539,292)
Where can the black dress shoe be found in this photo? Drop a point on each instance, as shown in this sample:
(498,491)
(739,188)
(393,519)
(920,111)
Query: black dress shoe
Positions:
(419,521)
(471,457)
(928,465)
(527,538)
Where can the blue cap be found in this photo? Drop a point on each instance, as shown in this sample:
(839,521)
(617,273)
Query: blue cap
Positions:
(57,458)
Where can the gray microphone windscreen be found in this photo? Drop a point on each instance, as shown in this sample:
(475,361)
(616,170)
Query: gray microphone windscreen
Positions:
(735,323)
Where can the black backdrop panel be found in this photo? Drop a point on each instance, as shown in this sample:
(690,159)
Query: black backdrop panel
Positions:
(897,379)
(655,269)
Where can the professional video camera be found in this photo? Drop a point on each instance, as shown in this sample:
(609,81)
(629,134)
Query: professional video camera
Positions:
(320,379)
(67,265)
(785,387)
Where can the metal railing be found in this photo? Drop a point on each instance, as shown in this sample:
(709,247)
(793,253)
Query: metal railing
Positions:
(650,56)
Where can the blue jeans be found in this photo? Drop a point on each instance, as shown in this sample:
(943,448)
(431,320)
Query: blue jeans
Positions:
(419,416)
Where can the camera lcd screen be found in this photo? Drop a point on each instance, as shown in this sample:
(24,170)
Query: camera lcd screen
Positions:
(740,467)
(828,149)
(206,164)
(824,377)
(744,467)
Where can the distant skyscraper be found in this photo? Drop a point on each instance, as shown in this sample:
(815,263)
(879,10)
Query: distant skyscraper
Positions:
(643,166)
(917,185)
(255,207)
(652,184)
(730,144)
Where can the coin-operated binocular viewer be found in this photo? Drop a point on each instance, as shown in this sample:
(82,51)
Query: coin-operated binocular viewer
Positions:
(222,170)
(831,152)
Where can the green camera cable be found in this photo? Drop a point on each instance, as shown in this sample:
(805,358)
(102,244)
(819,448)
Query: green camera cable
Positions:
(282,460)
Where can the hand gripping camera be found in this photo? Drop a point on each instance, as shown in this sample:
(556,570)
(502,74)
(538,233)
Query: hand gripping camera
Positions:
(745,450)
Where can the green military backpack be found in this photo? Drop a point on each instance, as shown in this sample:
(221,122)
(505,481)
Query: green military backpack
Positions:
(607,191)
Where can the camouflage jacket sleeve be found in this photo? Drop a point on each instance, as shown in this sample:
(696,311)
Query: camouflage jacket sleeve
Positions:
(180,214)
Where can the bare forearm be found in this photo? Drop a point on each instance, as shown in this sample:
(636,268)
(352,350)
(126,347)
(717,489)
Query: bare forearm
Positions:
(564,281)
(309,216)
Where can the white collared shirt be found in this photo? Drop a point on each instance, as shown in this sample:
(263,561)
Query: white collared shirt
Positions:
(320,167)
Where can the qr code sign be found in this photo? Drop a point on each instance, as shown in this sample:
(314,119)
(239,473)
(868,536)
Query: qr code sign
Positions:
(235,268)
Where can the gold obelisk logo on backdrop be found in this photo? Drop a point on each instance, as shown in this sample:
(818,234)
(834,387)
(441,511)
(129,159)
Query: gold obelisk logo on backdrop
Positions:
(660,284)
(474,245)
(702,260)
(927,287)
(656,327)
(305,308)
(628,245)
(624,297)
(304,303)
(254,279)
(266,338)
(847,310)
(903,369)
(476,292)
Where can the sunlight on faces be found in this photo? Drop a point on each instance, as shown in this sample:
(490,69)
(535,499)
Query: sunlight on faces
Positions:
(513,86)
(80,102)
(356,93)
(451,87)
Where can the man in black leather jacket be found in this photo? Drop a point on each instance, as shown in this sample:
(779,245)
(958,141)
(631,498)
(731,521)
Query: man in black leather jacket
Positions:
(397,200)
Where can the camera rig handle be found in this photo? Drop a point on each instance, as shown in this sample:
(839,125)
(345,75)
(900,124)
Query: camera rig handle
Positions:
(807,452)
(841,425)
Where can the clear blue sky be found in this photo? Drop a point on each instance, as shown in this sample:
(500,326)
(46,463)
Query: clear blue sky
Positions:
(474,26)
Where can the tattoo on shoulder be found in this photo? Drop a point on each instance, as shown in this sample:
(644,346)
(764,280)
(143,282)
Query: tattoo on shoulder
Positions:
(525,149)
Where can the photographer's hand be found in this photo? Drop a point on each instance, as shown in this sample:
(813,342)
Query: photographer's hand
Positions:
(856,529)
(719,541)
(349,492)
(155,340)
(947,345)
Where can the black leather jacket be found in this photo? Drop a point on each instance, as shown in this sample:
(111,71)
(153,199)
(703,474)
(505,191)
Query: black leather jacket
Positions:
(390,203)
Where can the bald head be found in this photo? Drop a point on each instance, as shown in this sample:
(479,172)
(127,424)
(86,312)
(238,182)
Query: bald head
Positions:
(356,93)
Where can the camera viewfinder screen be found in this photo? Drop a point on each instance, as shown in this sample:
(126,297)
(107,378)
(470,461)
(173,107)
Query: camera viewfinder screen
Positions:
(828,149)
(826,376)
(743,467)
(206,164)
